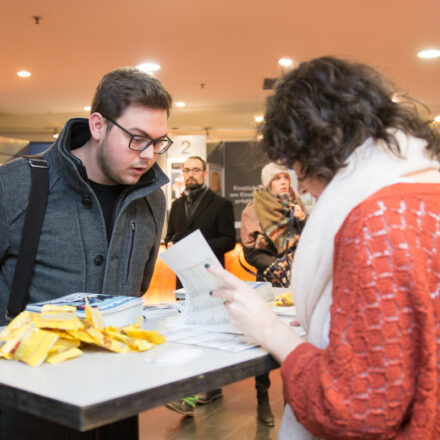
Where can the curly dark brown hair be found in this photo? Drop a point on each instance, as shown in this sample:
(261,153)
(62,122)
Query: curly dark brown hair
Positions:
(325,108)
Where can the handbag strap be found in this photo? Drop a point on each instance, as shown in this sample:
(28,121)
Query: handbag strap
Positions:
(249,271)
(30,236)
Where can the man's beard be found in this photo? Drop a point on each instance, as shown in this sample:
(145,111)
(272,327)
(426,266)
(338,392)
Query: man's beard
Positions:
(104,164)
(190,186)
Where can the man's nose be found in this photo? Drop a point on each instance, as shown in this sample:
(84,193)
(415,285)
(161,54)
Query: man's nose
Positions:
(148,153)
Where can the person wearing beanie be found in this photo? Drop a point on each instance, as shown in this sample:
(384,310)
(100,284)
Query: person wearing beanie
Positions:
(270,229)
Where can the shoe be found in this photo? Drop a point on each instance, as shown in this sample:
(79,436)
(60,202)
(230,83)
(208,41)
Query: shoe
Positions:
(263,410)
(181,407)
(209,397)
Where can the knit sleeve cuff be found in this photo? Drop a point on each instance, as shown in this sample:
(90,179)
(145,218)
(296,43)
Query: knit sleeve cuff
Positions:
(299,372)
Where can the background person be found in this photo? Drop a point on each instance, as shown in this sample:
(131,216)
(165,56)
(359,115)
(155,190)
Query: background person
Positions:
(200,208)
(105,201)
(271,225)
(365,274)
(270,230)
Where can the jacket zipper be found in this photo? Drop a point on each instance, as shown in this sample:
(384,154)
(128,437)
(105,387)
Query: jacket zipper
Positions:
(133,231)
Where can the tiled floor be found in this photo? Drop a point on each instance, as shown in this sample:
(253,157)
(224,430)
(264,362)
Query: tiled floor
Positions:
(233,418)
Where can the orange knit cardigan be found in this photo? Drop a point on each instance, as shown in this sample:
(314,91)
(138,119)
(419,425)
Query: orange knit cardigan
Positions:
(379,376)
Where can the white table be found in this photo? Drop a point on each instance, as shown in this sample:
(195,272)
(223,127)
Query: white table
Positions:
(101,387)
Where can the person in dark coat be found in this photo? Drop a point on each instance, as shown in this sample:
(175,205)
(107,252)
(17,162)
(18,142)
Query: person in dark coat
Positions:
(200,208)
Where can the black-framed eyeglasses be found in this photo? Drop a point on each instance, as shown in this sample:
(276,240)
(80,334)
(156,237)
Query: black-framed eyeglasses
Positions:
(141,143)
(192,170)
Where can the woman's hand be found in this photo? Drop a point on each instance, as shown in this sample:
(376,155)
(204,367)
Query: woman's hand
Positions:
(298,212)
(249,313)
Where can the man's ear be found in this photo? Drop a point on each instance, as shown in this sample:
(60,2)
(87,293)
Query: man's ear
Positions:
(97,126)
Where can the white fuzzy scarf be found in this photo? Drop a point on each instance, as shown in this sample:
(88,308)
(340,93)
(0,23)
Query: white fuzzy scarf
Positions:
(370,167)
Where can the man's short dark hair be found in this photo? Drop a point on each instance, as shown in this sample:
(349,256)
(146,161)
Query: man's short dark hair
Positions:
(327,107)
(201,160)
(125,86)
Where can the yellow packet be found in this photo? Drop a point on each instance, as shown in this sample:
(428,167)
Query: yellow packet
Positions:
(283,300)
(116,333)
(93,316)
(57,358)
(82,335)
(64,334)
(106,342)
(22,319)
(57,317)
(63,344)
(11,341)
(34,346)
(149,335)
(140,344)
(54,308)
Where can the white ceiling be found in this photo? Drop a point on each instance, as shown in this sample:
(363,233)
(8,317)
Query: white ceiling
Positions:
(228,45)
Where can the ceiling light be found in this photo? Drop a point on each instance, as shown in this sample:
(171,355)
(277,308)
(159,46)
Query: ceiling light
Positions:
(259,119)
(55,134)
(148,67)
(429,53)
(285,62)
(180,104)
(87,108)
(24,74)
(437,119)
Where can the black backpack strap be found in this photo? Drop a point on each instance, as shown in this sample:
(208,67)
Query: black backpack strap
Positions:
(30,236)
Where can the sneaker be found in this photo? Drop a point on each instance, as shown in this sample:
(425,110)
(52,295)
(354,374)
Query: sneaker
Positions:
(210,396)
(181,407)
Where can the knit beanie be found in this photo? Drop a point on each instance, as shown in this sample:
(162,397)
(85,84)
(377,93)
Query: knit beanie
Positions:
(270,171)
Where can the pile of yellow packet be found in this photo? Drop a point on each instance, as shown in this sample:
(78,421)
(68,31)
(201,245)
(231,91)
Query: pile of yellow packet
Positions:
(56,334)
(283,300)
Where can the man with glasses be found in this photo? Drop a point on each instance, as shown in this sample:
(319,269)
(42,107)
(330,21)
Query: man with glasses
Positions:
(200,208)
(104,214)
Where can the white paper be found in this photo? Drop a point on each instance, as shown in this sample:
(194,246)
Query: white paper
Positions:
(198,336)
(187,258)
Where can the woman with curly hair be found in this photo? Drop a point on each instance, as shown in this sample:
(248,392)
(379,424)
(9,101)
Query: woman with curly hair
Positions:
(366,274)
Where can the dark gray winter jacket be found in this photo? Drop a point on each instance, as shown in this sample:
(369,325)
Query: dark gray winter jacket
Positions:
(74,254)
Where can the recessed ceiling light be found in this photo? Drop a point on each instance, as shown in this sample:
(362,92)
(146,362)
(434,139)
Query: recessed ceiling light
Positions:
(24,74)
(148,67)
(429,53)
(180,104)
(259,118)
(437,119)
(55,135)
(285,62)
(87,108)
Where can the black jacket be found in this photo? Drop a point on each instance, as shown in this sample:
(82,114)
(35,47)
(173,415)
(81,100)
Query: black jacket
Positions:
(214,216)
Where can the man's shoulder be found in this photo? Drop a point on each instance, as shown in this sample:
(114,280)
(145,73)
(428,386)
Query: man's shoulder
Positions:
(178,201)
(217,197)
(15,174)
